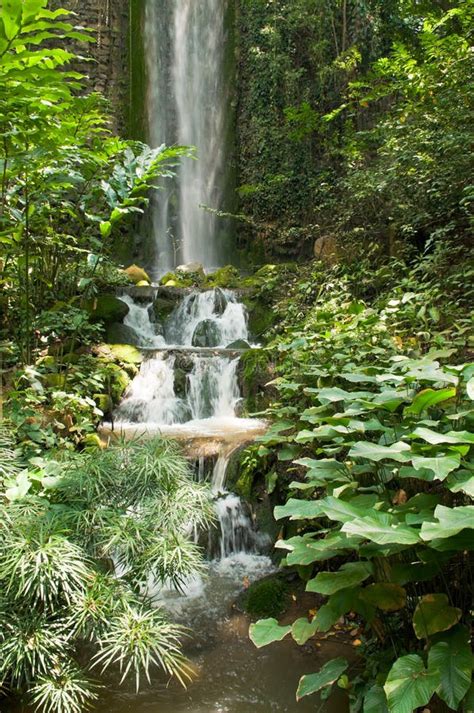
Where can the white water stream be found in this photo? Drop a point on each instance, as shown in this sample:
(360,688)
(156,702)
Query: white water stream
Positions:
(207,408)
(188,103)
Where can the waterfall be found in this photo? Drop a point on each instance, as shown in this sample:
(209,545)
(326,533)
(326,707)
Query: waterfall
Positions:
(213,389)
(200,407)
(189,103)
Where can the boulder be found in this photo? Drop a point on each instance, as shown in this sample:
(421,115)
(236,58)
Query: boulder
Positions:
(143,283)
(326,250)
(191,268)
(162,308)
(137,274)
(107,308)
(206,334)
(118,333)
(227,276)
(220,302)
(125,353)
(238,344)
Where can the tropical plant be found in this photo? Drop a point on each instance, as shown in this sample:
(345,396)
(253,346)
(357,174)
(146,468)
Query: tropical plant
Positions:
(84,540)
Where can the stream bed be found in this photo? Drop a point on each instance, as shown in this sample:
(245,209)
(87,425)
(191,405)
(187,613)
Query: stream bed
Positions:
(232,675)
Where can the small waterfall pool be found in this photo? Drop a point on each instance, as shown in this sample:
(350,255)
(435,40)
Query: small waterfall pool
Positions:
(231,675)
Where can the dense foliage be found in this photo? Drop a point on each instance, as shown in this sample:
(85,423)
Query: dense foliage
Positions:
(353,123)
(373,443)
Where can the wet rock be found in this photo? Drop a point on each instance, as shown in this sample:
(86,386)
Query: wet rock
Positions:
(206,334)
(107,309)
(238,344)
(162,308)
(220,302)
(180,382)
(227,276)
(118,333)
(137,274)
(191,268)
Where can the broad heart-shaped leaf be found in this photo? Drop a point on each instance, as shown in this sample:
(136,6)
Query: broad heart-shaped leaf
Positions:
(461,481)
(470,388)
(349,575)
(434,614)
(327,676)
(436,438)
(429,397)
(441,466)
(382,529)
(375,701)
(385,596)
(451,522)
(302,630)
(399,452)
(298,509)
(409,685)
(338,604)
(266,631)
(452,658)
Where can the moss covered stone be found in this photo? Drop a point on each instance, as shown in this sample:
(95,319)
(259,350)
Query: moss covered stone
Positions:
(107,309)
(137,275)
(225,277)
(266,598)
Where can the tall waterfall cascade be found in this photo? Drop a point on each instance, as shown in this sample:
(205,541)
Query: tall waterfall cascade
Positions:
(188,103)
(188,388)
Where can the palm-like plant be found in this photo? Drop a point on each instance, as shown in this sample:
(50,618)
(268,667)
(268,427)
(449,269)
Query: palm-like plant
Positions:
(76,559)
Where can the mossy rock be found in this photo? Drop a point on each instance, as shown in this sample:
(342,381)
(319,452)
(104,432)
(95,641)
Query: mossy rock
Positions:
(92,442)
(226,277)
(162,307)
(117,333)
(143,283)
(137,274)
(107,309)
(119,381)
(125,353)
(244,485)
(261,318)
(182,279)
(206,334)
(54,381)
(180,382)
(266,598)
(239,344)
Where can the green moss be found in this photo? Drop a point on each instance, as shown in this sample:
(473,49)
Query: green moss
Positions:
(182,279)
(266,598)
(125,353)
(107,308)
(255,374)
(226,277)
(244,484)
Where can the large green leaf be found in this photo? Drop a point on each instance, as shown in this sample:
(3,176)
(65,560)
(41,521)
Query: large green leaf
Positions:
(409,685)
(461,481)
(266,631)
(436,438)
(399,452)
(452,658)
(434,614)
(382,529)
(450,522)
(441,466)
(429,397)
(375,701)
(385,596)
(298,509)
(302,630)
(327,676)
(349,575)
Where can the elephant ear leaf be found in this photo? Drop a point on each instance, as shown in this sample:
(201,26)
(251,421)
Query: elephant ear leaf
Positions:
(266,631)
(385,596)
(452,658)
(434,614)
(324,679)
(409,685)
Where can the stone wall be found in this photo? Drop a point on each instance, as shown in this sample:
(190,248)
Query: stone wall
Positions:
(109,71)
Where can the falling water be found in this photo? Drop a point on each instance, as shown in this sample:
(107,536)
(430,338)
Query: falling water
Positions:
(140,321)
(213,388)
(189,103)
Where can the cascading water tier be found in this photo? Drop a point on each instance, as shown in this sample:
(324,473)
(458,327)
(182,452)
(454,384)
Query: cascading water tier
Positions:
(188,389)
